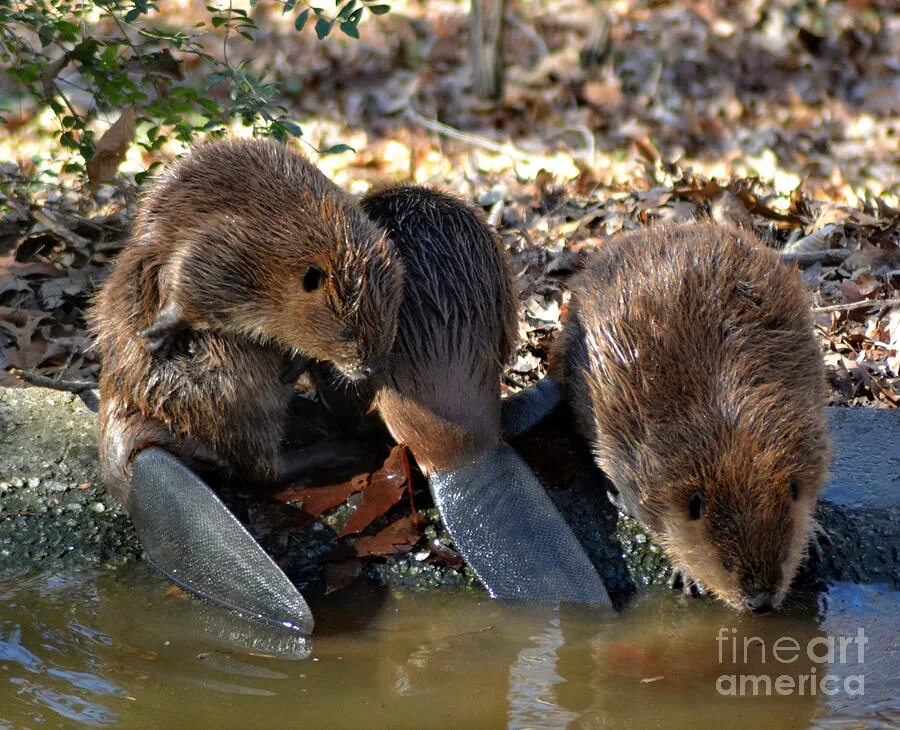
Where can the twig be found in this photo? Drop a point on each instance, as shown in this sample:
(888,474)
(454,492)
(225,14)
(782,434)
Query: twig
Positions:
(857,305)
(817,241)
(474,139)
(160,92)
(496,214)
(806,258)
(4,515)
(42,381)
(530,33)
(59,229)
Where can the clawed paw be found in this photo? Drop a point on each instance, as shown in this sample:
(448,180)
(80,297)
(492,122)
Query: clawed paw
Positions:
(294,367)
(616,498)
(682,581)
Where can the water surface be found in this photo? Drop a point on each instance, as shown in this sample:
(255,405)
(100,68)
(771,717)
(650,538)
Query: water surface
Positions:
(118,649)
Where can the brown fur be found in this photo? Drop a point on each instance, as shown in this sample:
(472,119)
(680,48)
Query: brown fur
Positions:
(223,241)
(456,326)
(688,358)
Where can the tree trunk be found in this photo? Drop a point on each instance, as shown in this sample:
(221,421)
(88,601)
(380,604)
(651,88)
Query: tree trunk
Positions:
(486,38)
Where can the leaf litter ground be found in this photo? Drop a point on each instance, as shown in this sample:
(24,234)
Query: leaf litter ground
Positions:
(781,117)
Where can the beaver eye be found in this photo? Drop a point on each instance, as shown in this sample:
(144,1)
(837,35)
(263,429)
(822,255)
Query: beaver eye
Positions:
(695,505)
(313,278)
(795,489)
(728,565)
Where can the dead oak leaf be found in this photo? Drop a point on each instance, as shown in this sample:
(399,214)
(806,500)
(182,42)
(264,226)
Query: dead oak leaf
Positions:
(400,536)
(111,148)
(340,574)
(385,488)
(316,501)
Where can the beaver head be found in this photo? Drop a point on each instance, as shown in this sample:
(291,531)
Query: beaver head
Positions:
(737,514)
(258,241)
(691,366)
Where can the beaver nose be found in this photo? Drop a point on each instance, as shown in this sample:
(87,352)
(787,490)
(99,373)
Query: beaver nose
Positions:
(759,603)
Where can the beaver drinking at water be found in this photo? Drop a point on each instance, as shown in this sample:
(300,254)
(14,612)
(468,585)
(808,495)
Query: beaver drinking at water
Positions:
(689,361)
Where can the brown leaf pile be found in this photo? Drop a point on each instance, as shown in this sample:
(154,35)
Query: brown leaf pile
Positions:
(375,528)
(781,117)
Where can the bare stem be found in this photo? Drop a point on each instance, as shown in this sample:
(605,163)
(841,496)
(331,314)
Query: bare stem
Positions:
(850,306)
(42,381)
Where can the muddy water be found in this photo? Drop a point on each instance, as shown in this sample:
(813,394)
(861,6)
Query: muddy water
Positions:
(113,649)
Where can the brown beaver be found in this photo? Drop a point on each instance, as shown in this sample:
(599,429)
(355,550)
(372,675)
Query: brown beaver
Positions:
(688,359)
(440,396)
(243,257)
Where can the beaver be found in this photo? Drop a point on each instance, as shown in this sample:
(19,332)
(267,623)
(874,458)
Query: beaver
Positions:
(244,259)
(688,359)
(244,263)
(440,396)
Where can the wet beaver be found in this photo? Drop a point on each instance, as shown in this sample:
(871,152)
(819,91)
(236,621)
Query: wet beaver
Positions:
(688,359)
(243,258)
(440,396)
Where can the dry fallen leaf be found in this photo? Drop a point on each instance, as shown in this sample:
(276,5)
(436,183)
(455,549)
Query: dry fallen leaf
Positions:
(384,489)
(398,537)
(111,149)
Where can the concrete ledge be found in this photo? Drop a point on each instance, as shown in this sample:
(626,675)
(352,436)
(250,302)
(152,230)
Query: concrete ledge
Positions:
(860,506)
(53,511)
(52,507)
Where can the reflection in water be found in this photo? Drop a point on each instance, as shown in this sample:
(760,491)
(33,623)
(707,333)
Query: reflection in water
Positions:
(47,680)
(115,649)
(532,680)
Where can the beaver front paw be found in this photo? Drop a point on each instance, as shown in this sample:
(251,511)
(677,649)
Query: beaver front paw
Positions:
(682,581)
(294,366)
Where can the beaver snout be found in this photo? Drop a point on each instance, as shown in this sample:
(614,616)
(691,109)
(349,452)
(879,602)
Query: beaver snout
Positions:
(760,603)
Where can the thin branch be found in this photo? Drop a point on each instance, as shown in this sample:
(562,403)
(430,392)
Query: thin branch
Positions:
(473,139)
(59,229)
(807,258)
(850,306)
(42,381)
(137,54)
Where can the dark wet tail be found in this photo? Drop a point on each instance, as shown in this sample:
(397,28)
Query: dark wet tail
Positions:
(524,410)
(192,537)
(510,533)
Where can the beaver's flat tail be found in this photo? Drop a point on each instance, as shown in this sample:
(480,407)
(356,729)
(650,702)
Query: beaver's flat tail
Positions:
(527,409)
(192,537)
(511,534)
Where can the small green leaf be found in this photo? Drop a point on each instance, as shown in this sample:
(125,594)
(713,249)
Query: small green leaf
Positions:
(350,29)
(323,27)
(346,10)
(288,6)
(379,9)
(45,33)
(293,129)
(336,148)
(301,19)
